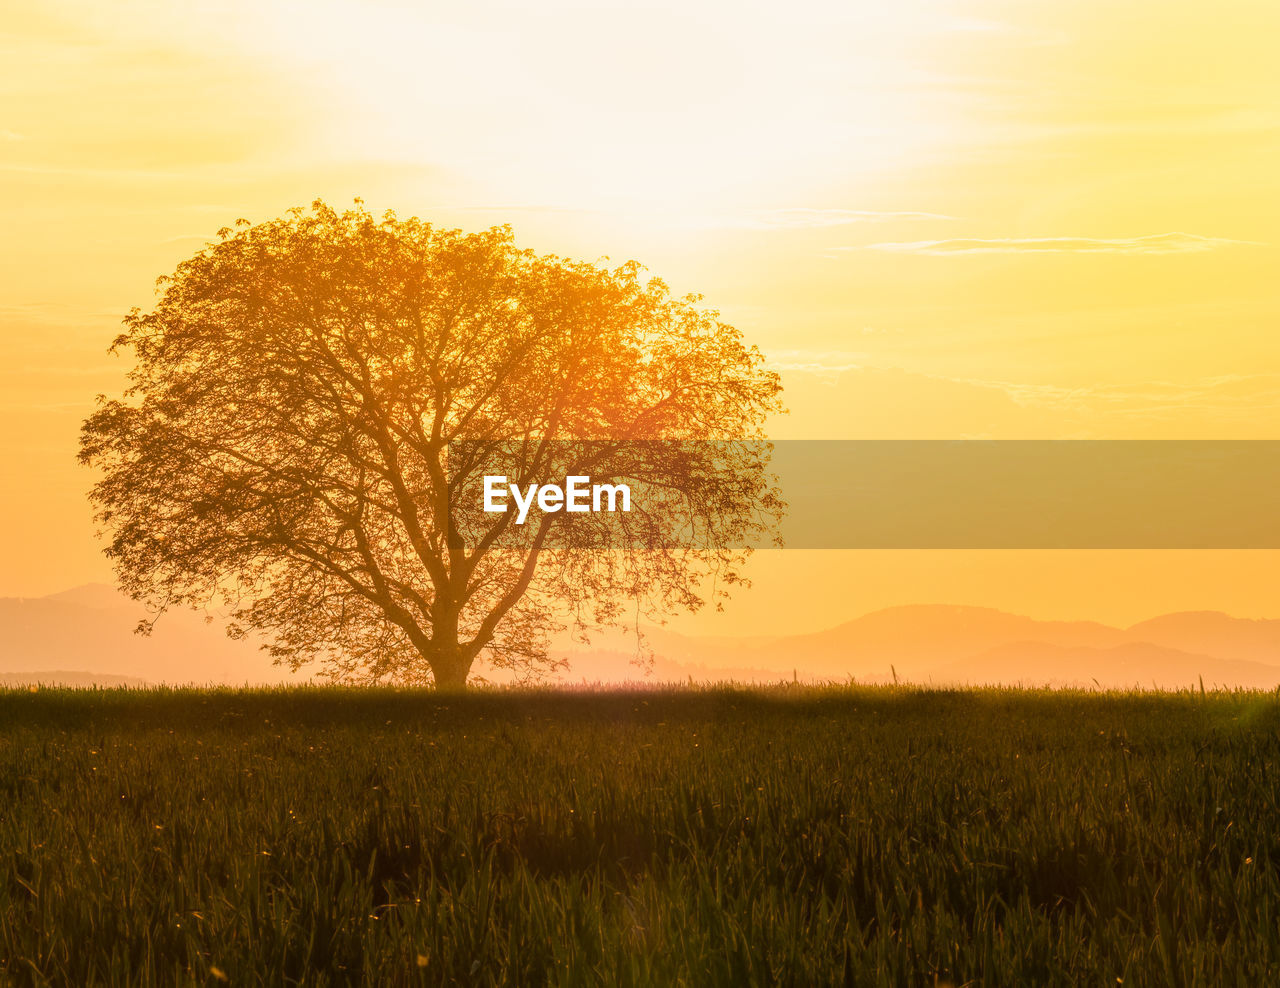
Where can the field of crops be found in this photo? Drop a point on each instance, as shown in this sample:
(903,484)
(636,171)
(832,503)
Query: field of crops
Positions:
(703,837)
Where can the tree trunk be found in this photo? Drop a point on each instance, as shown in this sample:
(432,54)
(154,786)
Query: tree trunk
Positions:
(449,659)
(450,676)
(449,664)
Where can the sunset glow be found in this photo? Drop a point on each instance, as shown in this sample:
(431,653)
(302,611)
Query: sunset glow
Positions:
(938,219)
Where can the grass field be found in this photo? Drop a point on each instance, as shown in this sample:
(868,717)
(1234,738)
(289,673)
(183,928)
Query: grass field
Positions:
(714,837)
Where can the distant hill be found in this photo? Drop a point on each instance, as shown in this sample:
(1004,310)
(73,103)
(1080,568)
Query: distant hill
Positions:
(95,595)
(60,677)
(978,644)
(1214,633)
(909,640)
(90,629)
(913,639)
(1133,664)
(602,665)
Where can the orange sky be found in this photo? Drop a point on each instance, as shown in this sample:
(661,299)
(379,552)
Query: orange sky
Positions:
(939,219)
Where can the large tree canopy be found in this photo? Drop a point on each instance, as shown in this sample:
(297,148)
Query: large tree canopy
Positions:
(284,446)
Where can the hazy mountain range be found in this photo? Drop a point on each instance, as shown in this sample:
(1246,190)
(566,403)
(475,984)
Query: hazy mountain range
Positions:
(89,631)
(954,644)
(85,636)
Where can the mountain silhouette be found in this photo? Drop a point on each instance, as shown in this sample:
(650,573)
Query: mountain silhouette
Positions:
(909,639)
(63,677)
(90,628)
(924,642)
(1132,664)
(1214,633)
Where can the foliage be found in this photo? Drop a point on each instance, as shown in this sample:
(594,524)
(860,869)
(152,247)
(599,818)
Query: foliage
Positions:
(284,445)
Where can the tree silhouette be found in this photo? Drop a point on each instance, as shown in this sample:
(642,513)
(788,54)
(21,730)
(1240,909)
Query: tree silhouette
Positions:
(312,396)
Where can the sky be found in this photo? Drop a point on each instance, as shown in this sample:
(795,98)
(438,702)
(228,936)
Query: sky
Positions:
(938,218)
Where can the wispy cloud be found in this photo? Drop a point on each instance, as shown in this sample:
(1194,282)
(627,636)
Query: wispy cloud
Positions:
(11,135)
(71,317)
(833,391)
(125,174)
(39,376)
(530,207)
(1244,394)
(1156,243)
(808,218)
(789,218)
(825,362)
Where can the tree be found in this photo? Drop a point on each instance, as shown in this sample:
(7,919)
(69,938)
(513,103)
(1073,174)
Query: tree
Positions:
(311,395)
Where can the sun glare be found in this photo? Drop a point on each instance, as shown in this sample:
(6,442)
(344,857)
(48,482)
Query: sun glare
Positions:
(598,106)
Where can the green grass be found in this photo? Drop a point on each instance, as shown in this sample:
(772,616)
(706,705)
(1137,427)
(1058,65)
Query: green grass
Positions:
(715,837)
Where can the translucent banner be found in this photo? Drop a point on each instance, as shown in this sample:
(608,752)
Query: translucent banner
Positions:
(969,494)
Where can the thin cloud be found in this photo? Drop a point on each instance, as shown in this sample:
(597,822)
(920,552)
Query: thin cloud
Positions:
(790,218)
(870,400)
(1157,243)
(524,208)
(1239,393)
(816,361)
(807,218)
(1229,399)
(1242,393)
(71,317)
(45,372)
(126,174)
